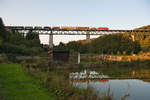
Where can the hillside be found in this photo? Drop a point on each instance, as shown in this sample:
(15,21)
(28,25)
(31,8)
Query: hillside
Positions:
(143,28)
(143,38)
(111,44)
(140,28)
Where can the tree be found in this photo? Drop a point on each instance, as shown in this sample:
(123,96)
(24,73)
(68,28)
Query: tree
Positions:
(111,44)
(16,44)
(3,33)
(146,43)
(74,46)
(0,41)
(32,40)
(61,46)
(31,36)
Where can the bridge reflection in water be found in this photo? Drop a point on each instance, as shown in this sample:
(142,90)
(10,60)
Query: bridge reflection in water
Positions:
(119,89)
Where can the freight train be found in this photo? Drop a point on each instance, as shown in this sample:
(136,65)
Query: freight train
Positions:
(64,28)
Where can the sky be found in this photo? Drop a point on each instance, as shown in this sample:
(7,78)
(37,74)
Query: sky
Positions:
(115,14)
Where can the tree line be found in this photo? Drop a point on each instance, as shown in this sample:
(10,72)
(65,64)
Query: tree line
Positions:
(111,44)
(17,44)
(107,44)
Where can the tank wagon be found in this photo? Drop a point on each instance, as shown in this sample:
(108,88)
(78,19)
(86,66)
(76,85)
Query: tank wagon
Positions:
(93,28)
(28,28)
(9,27)
(68,28)
(47,28)
(82,28)
(73,28)
(15,27)
(19,27)
(56,28)
(38,28)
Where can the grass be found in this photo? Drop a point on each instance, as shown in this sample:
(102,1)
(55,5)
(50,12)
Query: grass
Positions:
(16,85)
(58,83)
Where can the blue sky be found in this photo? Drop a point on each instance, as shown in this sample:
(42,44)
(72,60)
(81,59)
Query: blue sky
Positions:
(115,14)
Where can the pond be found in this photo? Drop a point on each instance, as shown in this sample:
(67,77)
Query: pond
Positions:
(121,84)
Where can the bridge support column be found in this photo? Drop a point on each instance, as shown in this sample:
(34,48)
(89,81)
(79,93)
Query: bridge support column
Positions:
(51,40)
(133,38)
(88,37)
(78,58)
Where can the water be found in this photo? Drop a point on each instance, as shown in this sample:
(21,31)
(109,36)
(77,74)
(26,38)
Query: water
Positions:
(118,89)
(132,89)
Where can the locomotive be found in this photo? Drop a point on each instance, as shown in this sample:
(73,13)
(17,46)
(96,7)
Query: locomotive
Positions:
(102,28)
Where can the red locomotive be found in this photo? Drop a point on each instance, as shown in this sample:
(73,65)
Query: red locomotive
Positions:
(102,28)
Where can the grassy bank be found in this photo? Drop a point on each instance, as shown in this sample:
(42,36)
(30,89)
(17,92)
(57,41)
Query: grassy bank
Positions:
(58,83)
(33,81)
(21,83)
(17,85)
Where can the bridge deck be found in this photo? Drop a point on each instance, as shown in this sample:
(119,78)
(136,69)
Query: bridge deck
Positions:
(75,32)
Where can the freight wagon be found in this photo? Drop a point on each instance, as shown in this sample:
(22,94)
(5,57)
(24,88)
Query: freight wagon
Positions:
(47,28)
(82,28)
(56,28)
(38,27)
(93,28)
(68,28)
(19,27)
(28,27)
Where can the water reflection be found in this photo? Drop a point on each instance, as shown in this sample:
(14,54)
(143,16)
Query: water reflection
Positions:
(131,89)
(126,89)
(87,75)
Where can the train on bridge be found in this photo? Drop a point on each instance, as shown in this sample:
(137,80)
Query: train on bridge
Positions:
(55,28)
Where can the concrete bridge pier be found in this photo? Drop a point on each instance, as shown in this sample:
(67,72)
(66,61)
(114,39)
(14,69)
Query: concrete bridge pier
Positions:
(51,40)
(88,37)
(133,38)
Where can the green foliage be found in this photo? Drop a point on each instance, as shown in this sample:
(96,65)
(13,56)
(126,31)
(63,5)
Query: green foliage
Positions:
(33,40)
(74,46)
(61,46)
(143,38)
(3,33)
(0,41)
(112,44)
(16,44)
(31,36)
(146,43)
(107,44)
(16,39)
(57,82)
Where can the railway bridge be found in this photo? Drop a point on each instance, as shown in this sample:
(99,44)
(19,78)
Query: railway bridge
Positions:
(58,31)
